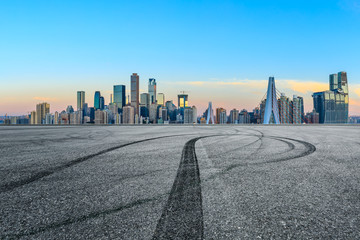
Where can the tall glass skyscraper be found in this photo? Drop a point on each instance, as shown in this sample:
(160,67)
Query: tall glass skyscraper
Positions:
(119,96)
(333,105)
(182,100)
(97,100)
(134,81)
(161,99)
(102,103)
(152,90)
(80,100)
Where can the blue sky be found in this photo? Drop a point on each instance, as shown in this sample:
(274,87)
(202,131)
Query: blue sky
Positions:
(51,49)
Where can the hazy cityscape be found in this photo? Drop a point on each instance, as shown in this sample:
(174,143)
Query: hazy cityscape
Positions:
(329,107)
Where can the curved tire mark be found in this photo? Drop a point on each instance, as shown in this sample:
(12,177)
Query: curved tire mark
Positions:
(310,148)
(15,184)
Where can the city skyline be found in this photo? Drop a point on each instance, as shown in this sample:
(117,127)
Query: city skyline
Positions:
(219,51)
(330,106)
(292,87)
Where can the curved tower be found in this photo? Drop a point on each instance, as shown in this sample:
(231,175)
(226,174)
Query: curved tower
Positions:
(271,114)
(210,115)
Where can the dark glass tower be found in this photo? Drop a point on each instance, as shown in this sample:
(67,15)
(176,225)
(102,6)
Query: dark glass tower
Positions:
(97,100)
(119,96)
(102,103)
(80,100)
(333,105)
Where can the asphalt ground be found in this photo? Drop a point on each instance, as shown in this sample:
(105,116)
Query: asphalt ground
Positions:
(180,182)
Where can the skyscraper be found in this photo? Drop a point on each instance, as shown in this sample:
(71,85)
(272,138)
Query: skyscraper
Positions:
(244,117)
(144,104)
(301,108)
(41,110)
(56,118)
(33,119)
(152,90)
(97,100)
(333,81)
(69,109)
(194,111)
(344,90)
(163,113)
(188,115)
(145,99)
(182,100)
(333,105)
(296,110)
(210,114)
(102,103)
(80,100)
(234,116)
(153,111)
(99,117)
(271,114)
(218,111)
(119,96)
(161,99)
(128,115)
(222,117)
(135,92)
(284,109)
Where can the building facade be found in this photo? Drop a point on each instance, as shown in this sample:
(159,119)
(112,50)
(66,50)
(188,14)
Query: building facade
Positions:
(41,110)
(128,115)
(333,105)
(97,100)
(134,81)
(152,90)
(80,100)
(161,99)
(119,95)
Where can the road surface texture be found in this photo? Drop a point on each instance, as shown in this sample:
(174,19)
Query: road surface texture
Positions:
(180,182)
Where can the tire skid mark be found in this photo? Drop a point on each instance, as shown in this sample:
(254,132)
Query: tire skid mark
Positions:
(309,149)
(97,214)
(290,145)
(83,218)
(182,216)
(235,149)
(37,176)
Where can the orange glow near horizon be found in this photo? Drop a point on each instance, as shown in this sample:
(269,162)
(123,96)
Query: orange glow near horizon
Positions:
(245,94)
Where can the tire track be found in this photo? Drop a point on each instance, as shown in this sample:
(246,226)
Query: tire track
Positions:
(102,213)
(309,149)
(260,138)
(15,184)
(69,221)
(290,145)
(182,217)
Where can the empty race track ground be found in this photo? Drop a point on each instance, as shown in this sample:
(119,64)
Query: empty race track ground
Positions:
(180,182)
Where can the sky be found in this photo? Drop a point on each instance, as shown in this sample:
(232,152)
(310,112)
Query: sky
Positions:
(220,51)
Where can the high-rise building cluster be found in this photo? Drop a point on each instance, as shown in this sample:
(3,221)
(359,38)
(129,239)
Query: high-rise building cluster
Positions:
(330,106)
(333,105)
